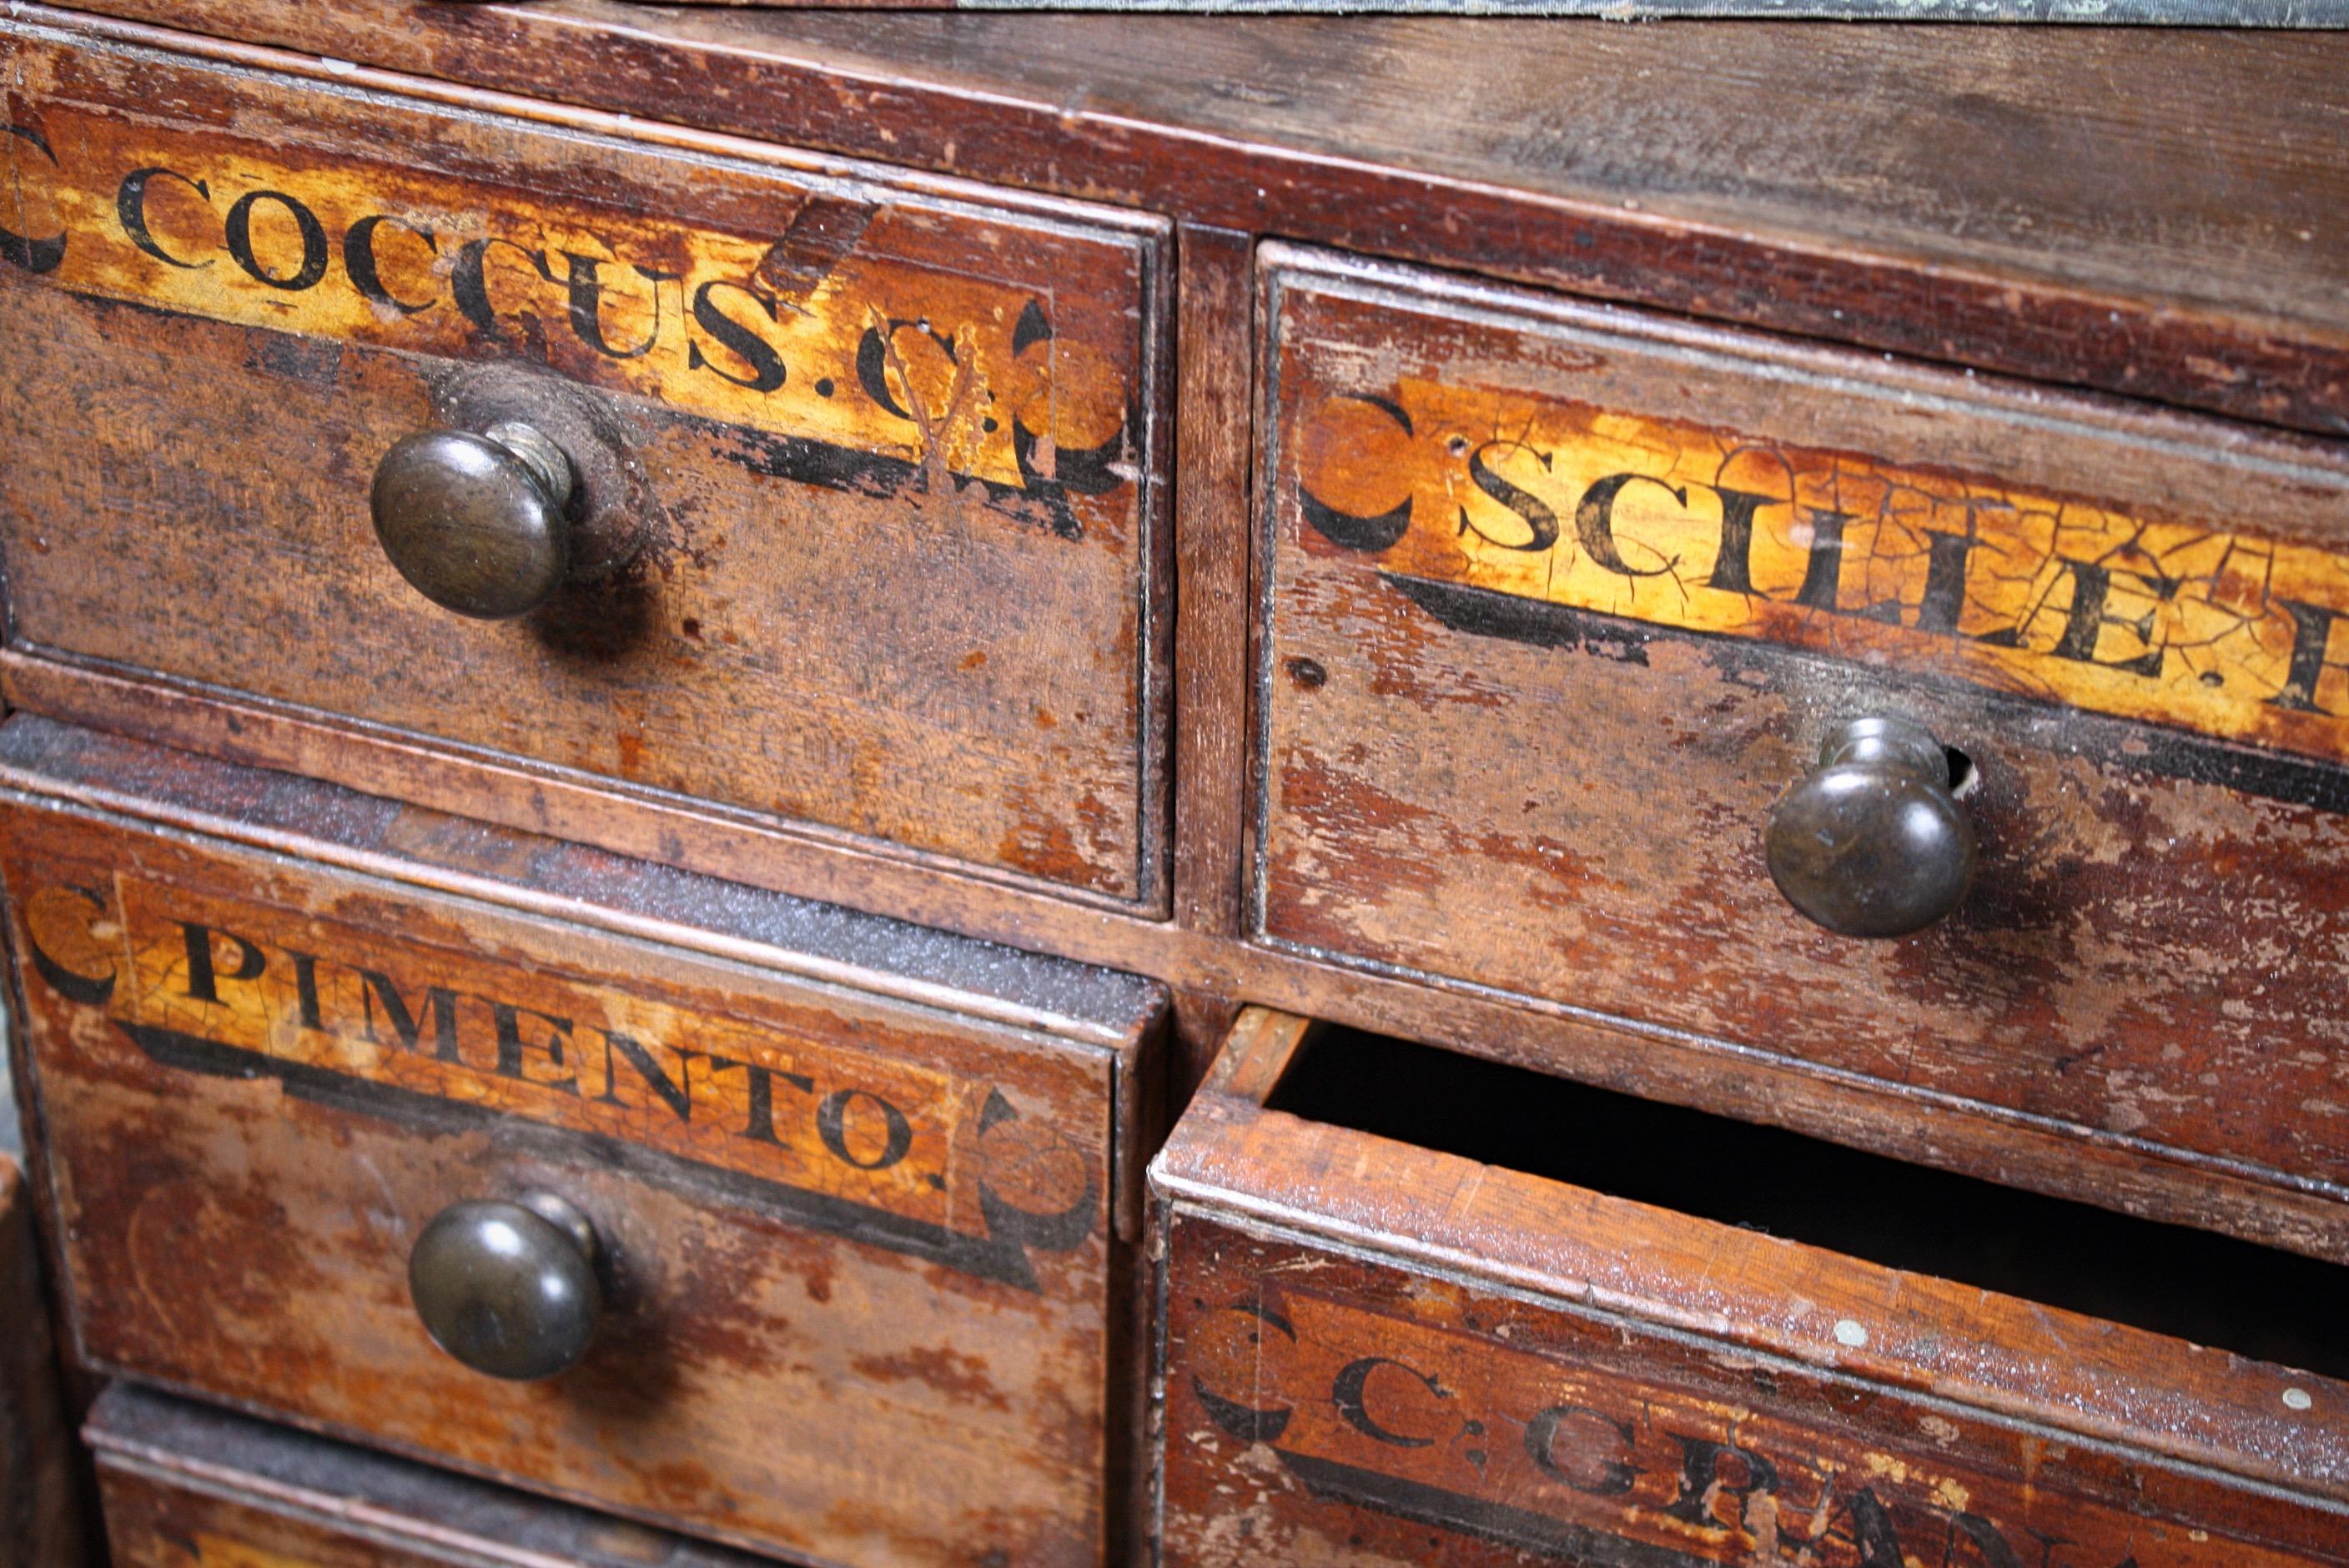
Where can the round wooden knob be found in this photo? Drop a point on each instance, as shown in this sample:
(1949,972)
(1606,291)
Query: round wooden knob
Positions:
(1873,844)
(476,523)
(509,1289)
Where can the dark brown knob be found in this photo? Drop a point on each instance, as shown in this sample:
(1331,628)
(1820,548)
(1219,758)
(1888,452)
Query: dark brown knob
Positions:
(509,1289)
(1873,844)
(477,524)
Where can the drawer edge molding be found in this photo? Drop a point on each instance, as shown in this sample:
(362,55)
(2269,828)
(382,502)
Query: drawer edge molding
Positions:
(166,1441)
(2039,1365)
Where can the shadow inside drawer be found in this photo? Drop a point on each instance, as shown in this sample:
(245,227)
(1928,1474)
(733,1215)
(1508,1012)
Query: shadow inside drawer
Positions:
(2195,1284)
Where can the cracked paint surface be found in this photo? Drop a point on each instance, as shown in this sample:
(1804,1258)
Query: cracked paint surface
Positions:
(731,1093)
(1377,1416)
(246,1133)
(887,455)
(1557,611)
(2105,606)
(899,340)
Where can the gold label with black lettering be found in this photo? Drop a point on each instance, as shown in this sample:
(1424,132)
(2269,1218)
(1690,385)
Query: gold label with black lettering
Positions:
(1562,1459)
(848,326)
(1508,514)
(922,1162)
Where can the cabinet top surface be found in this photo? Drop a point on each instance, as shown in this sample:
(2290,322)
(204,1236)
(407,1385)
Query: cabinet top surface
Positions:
(2200,165)
(2159,212)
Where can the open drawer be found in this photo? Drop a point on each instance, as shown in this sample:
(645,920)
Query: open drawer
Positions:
(1425,1309)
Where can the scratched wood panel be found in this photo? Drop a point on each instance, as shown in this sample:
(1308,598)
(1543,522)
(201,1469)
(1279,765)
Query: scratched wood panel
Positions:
(1980,197)
(865,1281)
(1325,1409)
(888,452)
(1375,1354)
(40,1505)
(187,1486)
(1560,602)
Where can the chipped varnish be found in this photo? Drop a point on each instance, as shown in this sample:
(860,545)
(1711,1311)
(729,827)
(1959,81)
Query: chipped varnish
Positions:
(1374,1353)
(866,1277)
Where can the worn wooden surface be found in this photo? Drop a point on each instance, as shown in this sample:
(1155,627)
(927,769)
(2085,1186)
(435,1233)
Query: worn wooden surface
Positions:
(1329,1409)
(1042,103)
(188,1486)
(2152,212)
(1526,717)
(40,1473)
(891,454)
(1216,438)
(2153,572)
(2111,1168)
(1378,1354)
(1257,1051)
(862,1243)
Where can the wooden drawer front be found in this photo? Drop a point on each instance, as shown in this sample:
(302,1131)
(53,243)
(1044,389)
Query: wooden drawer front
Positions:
(1377,1354)
(884,450)
(1547,638)
(859,1224)
(185,1486)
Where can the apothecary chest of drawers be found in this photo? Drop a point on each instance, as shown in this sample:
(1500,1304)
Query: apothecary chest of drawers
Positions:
(1048,791)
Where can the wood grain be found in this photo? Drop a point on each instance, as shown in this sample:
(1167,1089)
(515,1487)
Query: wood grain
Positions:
(1074,106)
(258,1078)
(2152,212)
(1257,1053)
(1374,1353)
(1215,432)
(891,460)
(1519,732)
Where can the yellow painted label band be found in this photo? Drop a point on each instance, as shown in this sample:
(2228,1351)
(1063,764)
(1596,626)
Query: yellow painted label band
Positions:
(285,990)
(1672,524)
(827,333)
